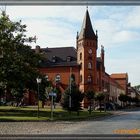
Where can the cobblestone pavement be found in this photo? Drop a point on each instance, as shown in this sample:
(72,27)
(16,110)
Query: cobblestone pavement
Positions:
(126,120)
(38,127)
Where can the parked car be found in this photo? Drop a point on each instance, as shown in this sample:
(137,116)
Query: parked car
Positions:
(11,103)
(107,106)
(102,107)
(2,103)
(117,106)
(110,106)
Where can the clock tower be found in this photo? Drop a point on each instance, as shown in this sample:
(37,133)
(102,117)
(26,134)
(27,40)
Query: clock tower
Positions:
(86,55)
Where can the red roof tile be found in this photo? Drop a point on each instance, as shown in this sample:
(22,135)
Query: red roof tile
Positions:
(119,75)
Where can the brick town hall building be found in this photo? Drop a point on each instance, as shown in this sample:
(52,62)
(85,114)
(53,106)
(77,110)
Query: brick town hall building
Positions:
(82,61)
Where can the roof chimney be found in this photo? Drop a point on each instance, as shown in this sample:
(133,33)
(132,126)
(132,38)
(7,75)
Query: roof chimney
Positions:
(37,49)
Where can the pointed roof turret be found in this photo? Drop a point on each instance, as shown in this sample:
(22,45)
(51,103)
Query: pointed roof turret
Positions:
(87,30)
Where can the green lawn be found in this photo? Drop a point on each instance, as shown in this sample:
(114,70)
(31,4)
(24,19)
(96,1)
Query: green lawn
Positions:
(8,113)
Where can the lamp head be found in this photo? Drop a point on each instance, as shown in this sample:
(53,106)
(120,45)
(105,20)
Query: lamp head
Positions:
(38,80)
(105,90)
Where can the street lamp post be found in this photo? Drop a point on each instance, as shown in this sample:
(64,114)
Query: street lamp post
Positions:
(105,91)
(52,107)
(38,82)
(70,92)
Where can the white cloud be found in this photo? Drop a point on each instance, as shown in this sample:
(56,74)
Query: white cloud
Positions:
(53,25)
(125,36)
(69,13)
(51,34)
(129,65)
(117,25)
(133,18)
(106,30)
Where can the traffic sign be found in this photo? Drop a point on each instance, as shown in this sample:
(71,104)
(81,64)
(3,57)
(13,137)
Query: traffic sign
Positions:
(52,94)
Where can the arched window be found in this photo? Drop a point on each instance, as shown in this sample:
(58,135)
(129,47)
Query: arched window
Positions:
(72,77)
(89,79)
(89,65)
(47,77)
(80,56)
(80,65)
(57,78)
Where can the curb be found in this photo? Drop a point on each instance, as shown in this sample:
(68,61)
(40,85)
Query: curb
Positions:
(107,116)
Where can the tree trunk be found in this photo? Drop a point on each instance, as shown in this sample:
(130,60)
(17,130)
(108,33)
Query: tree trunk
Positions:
(90,108)
(100,105)
(78,113)
(43,104)
(70,112)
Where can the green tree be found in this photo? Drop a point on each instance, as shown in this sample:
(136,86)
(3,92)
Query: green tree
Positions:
(42,89)
(129,99)
(136,100)
(58,94)
(99,97)
(123,98)
(137,87)
(18,62)
(90,96)
(76,98)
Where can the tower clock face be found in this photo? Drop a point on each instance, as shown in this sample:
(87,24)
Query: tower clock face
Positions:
(90,51)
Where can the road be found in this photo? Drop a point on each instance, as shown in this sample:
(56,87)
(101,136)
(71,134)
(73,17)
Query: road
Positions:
(127,120)
(117,124)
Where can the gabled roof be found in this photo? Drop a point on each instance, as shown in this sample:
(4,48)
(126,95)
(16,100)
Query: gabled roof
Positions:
(119,75)
(61,52)
(58,57)
(87,30)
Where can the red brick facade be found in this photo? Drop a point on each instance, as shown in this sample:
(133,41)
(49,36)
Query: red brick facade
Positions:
(64,73)
(121,79)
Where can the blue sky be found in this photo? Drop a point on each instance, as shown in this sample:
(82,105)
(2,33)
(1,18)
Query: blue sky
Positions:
(118,31)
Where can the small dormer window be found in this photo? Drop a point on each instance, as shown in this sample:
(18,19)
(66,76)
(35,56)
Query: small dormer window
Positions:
(68,58)
(54,59)
(37,49)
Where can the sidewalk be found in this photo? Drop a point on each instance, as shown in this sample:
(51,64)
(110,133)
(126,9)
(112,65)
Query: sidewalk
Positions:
(116,113)
(123,111)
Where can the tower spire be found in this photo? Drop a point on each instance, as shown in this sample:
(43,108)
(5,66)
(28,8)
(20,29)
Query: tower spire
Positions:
(87,30)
